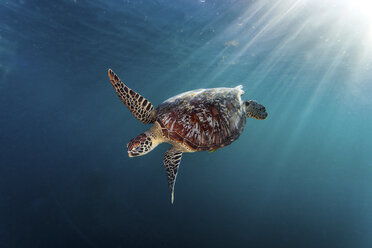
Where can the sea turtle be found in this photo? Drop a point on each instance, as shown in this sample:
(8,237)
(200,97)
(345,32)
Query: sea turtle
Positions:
(198,120)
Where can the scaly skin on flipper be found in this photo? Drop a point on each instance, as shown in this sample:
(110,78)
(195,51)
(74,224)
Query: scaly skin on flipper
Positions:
(140,107)
(172,160)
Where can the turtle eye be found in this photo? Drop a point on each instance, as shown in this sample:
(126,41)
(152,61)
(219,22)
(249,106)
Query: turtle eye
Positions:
(246,103)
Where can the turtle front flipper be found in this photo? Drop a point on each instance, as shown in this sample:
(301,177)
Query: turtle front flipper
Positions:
(172,159)
(140,107)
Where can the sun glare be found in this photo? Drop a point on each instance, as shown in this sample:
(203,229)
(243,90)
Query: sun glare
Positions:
(362,6)
(362,10)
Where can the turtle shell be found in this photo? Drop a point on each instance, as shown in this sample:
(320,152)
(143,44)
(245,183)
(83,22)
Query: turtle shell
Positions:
(205,119)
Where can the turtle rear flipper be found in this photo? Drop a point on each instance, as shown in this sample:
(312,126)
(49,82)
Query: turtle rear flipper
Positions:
(140,107)
(172,160)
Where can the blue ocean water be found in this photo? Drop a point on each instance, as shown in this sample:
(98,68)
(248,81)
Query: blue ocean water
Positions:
(300,178)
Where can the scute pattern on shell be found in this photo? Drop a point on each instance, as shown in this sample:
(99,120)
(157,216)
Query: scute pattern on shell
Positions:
(204,119)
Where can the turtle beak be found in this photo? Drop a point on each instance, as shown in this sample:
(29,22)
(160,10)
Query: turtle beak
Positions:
(132,154)
(131,149)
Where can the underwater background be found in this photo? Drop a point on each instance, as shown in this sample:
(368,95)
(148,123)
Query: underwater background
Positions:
(300,178)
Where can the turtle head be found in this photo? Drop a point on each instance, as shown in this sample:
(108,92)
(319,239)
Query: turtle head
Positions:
(255,110)
(140,145)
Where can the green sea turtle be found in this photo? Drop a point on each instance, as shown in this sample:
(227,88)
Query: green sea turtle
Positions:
(198,120)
